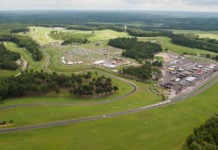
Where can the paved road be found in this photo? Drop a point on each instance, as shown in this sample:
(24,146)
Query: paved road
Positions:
(133,90)
(213,80)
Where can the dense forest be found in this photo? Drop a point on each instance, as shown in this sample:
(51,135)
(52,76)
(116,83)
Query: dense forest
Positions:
(188,40)
(145,72)
(136,49)
(24,42)
(70,38)
(39,83)
(8,58)
(206,136)
(146,19)
(147,33)
(192,41)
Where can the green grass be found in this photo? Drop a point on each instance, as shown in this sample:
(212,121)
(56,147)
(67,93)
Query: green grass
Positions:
(58,66)
(24,115)
(6,73)
(202,34)
(41,34)
(103,35)
(167,44)
(64,96)
(164,128)
(25,55)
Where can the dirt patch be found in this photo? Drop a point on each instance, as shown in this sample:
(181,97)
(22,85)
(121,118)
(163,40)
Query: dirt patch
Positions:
(6,125)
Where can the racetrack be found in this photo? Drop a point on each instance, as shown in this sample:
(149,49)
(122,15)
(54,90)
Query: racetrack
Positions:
(197,90)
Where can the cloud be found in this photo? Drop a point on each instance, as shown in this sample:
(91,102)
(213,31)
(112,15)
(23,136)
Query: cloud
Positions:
(172,2)
(135,1)
(198,5)
(201,2)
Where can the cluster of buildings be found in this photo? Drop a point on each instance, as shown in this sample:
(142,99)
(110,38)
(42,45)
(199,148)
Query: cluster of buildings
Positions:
(67,62)
(182,74)
(108,63)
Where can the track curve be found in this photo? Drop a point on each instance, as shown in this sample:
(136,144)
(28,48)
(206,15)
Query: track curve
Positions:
(206,85)
(133,90)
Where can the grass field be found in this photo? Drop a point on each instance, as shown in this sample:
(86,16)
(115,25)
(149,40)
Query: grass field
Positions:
(202,34)
(41,34)
(23,115)
(167,44)
(164,128)
(104,35)
(25,55)
(6,73)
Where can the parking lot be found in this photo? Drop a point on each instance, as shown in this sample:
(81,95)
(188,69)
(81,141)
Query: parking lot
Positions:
(181,74)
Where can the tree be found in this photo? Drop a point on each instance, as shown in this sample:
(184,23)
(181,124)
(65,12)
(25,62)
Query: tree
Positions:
(136,49)
(206,136)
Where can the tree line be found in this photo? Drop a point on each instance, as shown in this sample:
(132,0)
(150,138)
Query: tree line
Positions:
(39,83)
(25,42)
(19,30)
(145,72)
(69,38)
(195,42)
(206,136)
(8,58)
(188,40)
(148,20)
(136,49)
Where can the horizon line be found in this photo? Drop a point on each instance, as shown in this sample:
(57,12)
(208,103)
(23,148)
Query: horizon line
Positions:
(101,10)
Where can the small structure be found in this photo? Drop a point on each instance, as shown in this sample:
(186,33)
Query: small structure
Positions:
(171,69)
(191,79)
(98,44)
(63,60)
(99,62)
(2,122)
(109,65)
(70,63)
(125,28)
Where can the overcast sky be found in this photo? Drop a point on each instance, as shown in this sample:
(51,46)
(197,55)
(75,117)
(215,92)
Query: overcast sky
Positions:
(178,5)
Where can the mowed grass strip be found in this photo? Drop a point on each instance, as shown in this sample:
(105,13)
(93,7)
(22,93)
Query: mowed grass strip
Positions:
(202,34)
(25,55)
(167,44)
(163,128)
(6,73)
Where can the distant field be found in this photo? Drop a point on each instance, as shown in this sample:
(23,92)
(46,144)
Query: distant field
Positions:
(25,55)
(167,44)
(202,34)
(103,35)
(41,34)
